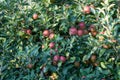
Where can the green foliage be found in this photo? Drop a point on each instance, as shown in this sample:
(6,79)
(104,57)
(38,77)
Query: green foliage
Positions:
(22,56)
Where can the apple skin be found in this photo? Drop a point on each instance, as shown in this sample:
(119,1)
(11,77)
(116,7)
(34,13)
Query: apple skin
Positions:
(85,32)
(73,31)
(56,58)
(63,59)
(51,36)
(80,32)
(35,16)
(92,28)
(81,25)
(43,46)
(51,45)
(28,31)
(77,64)
(87,9)
(30,66)
(93,58)
(94,33)
(46,33)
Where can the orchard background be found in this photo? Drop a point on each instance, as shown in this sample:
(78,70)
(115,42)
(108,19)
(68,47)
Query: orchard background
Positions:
(59,40)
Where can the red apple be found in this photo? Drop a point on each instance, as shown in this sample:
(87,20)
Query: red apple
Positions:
(28,31)
(51,36)
(63,59)
(52,45)
(82,25)
(46,33)
(87,9)
(80,32)
(56,58)
(35,16)
(73,31)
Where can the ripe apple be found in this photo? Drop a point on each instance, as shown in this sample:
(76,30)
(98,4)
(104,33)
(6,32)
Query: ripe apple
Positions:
(51,45)
(56,58)
(35,16)
(46,33)
(51,36)
(81,25)
(80,32)
(87,9)
(73,31)
(28,31)
(63,59)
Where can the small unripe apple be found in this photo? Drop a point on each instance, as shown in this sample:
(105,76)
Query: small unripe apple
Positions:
(52,45)
(73,31)
(76,64)
(56,50)
(102,32)
(87,9)
(46,33)
(92,6)
(30,66)
(56,58)
(80,32)
(106,46)
(95,64)
(92,28)
(54,63)
(87,62)
(82,25)
(101,38)
(35,16)
(114,40)
(28,31)
(94,33)
(85,32)
(103,79)
(93,58)
(83,77)
(43,46)
(63,59)
(51,36)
